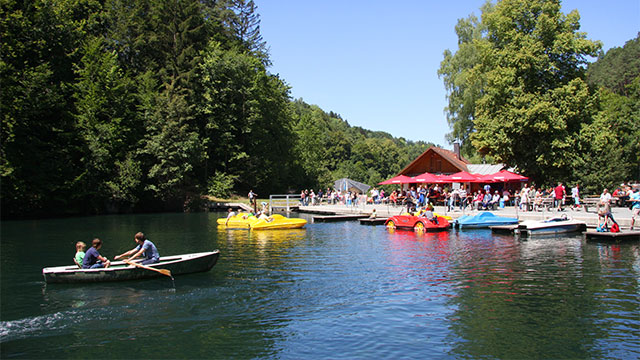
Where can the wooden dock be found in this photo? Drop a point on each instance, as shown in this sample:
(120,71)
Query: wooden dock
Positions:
(504,229)
(223,206)
(346,217)
(374,221)
(611,236)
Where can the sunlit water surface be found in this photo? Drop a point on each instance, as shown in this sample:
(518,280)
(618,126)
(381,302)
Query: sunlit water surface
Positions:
(331,290)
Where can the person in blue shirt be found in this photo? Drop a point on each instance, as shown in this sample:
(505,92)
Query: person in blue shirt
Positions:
(145,248)
(634,198)
(93,259)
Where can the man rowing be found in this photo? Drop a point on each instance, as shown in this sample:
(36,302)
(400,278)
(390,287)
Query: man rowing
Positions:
(145,248)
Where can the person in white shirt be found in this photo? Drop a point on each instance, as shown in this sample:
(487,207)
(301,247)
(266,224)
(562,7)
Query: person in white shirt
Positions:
(605,197)
(575,194)
(463,198)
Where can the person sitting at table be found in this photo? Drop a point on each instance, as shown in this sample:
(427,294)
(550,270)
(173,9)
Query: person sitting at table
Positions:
(495,199)
(477,200)
(486,200)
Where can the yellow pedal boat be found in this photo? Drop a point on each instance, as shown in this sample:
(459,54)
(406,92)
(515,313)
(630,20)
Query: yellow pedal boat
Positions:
(249,221)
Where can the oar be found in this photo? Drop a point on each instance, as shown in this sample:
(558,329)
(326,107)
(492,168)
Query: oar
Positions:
(161,271)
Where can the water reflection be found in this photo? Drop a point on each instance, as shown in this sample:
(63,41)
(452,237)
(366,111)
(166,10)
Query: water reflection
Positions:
(525,297)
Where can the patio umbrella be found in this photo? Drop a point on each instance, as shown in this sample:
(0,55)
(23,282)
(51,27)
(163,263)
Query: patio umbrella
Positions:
(488,178)
(400,179)
(429,178)
(508,176)
(462,177)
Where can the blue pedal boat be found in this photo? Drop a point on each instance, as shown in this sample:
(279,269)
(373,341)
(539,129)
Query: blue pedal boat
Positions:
(483,220)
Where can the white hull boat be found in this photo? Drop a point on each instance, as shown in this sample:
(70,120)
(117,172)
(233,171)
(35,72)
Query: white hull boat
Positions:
(557,225)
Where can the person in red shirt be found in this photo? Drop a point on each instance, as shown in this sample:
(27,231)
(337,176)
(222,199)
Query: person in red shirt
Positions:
(559,194)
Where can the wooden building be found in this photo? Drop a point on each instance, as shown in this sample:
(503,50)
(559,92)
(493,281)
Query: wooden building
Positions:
(436,160)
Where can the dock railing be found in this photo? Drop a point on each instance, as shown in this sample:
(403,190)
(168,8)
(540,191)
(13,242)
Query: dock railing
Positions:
(284,201)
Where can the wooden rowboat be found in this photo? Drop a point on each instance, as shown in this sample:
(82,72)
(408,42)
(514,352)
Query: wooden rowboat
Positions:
(120,271)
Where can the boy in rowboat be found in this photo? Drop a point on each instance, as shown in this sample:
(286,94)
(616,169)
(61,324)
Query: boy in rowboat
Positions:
(93,259)
(145,248)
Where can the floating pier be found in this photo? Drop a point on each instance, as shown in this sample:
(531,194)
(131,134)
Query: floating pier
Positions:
(223,206)
(374,221)
(611,236)
(504,229)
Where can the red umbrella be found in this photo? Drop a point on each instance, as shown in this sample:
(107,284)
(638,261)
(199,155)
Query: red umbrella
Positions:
(462,177)
(487,178)
(428,178)
(400,179)
(508,176)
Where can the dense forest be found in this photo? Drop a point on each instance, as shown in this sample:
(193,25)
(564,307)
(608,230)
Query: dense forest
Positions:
(522,91)
(116,106)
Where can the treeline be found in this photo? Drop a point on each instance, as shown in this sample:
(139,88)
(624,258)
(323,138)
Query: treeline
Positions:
(521,91)
(115,106)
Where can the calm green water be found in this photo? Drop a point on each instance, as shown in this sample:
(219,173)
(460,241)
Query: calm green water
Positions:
(332,290)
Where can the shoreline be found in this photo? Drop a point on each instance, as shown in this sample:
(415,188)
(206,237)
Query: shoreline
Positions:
(621,214)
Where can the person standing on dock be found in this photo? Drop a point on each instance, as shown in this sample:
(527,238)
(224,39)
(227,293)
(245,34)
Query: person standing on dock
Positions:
(635,207)
(605,197)
(252,199)
(575,194)
(559,193)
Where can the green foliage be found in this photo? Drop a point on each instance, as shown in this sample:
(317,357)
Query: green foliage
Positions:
(611,148)
(105,122)
(38,142)
(463,85)
(221,184)
(617,68)
(328,149)
(517,88)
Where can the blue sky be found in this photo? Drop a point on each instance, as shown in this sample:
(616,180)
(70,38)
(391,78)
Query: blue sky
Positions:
(376,62)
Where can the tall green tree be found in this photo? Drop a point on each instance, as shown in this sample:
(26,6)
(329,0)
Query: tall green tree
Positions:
(106,122)
(535,98)
(610,147)
(617,69)
(245,24)
(463,85)
(38,141)
(173,150)
(246,118)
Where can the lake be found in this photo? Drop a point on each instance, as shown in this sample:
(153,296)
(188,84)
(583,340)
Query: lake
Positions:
(331,290)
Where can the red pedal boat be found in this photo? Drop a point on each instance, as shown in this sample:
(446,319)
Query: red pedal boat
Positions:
(417,223)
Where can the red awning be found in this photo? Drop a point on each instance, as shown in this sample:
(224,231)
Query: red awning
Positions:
(400,179)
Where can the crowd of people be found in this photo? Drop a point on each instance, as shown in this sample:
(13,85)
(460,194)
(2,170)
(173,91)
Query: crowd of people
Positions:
(527,198)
